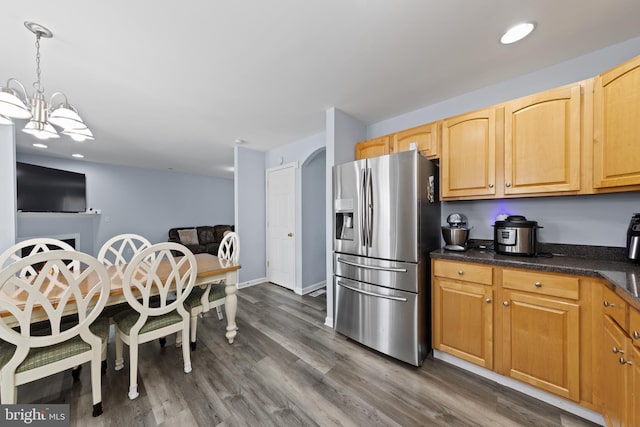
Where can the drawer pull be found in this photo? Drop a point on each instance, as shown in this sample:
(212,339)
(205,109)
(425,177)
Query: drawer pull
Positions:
(616,350)
(538,284)
(636,335)
(506,303)
(488,300)
(609,304)
(625,362)
(460,272)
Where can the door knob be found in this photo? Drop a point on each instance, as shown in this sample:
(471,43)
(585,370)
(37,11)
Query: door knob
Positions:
(290,234)
(506,303)
(488,300)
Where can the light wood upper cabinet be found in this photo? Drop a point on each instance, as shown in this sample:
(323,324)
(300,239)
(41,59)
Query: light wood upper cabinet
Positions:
(542,142)
(541,342)
(423,138)
(373,147)
(468,161)
(616,155)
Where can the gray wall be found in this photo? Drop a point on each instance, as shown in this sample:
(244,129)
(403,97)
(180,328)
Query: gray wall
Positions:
(7,187)
(591,220)
(313,220)
(250,214)
(343,132)
(134,200)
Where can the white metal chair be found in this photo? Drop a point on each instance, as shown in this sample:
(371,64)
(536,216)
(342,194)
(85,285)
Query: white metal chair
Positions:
(27,354)
(155,269)
(214,295)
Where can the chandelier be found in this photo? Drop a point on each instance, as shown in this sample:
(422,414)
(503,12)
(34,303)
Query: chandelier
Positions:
(15,103)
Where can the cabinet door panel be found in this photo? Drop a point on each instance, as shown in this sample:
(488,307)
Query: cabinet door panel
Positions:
(463,321)
(634,401)
(468,162)
(614,376)
(542,343)
(542,142)
(423,138)
(372,148)
(616,155)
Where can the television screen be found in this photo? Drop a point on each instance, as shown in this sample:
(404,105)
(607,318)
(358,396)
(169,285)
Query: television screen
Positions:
(42,189)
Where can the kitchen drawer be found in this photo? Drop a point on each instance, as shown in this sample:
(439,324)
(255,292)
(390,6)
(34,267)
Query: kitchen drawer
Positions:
(464,271)
(615,307)
(541,283)
(634,326)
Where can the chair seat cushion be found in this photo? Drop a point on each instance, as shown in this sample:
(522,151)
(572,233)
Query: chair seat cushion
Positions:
(126,319)
(194,299)
(41,356)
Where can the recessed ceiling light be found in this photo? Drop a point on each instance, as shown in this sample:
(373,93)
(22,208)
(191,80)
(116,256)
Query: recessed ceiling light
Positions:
(39,145)
(78,156)
(517,32)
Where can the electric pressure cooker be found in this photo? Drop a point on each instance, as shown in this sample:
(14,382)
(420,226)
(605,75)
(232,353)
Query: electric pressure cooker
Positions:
(515,235)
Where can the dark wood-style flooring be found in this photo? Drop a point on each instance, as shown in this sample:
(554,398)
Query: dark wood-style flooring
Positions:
(287,369)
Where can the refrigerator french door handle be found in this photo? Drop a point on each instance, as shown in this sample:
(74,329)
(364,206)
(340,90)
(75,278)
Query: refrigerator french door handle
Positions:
(372,267)
(373,294)
(363,206)
(370,208)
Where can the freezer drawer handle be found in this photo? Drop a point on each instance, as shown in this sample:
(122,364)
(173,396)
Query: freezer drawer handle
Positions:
(373,267)
(373,294)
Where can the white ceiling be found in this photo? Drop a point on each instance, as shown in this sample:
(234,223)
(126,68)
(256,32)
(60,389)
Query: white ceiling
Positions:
(171,84)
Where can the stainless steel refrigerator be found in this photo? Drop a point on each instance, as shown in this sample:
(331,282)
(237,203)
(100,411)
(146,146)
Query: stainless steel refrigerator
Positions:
(386,221)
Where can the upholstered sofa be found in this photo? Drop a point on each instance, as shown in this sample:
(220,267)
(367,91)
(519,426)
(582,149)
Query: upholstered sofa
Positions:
(205,238)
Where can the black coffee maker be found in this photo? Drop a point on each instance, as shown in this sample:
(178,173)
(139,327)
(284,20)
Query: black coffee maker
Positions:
(633,238)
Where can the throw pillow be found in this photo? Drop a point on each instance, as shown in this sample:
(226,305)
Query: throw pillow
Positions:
(188,237)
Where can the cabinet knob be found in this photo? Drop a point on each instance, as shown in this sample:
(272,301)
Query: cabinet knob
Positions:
(488,300)
(625,362)
(636,335)
(608,304)
(616,350)
(490,185)
(538,284)
(460,272)
(506,303)
(508,184)
(290,234)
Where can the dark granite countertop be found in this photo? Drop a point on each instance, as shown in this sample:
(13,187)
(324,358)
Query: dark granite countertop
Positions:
(593,261)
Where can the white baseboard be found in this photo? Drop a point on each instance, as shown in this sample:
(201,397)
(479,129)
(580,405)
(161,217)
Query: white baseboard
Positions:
(251,282)
(314,287)
(556,401)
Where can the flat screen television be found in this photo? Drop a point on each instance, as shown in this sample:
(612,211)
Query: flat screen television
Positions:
(42,189)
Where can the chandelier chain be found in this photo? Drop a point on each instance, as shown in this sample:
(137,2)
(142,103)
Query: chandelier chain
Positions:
(36,84)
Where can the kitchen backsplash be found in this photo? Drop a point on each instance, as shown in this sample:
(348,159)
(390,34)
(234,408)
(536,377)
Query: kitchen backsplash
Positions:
(599,220)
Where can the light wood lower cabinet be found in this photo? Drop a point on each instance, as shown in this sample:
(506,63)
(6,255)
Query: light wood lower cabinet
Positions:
(616,376)
(540,338)
(463,313)
(619,373)
(519,323)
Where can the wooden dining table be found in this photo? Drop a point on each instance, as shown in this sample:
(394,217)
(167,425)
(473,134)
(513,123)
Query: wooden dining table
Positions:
(210,269)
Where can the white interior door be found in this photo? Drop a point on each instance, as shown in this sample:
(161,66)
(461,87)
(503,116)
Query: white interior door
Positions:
(281,223)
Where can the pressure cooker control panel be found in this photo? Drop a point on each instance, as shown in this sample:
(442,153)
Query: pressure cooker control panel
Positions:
(507,236)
